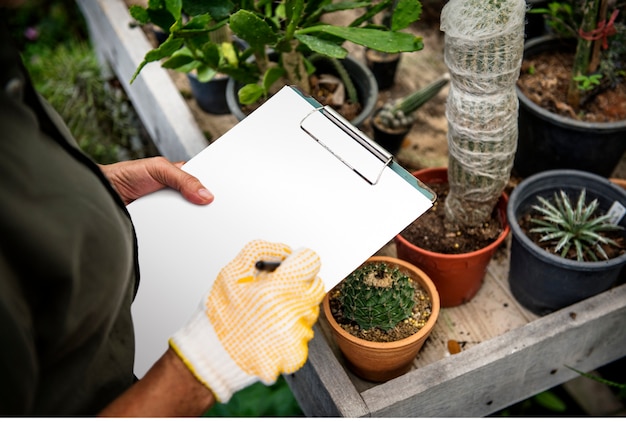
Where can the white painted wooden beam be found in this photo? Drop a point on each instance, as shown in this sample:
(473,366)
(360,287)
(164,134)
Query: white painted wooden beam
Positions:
(154,95)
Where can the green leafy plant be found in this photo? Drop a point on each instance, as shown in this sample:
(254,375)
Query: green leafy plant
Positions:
(400,113)
(292,29)
(578,227)
(600,35)
(377,295)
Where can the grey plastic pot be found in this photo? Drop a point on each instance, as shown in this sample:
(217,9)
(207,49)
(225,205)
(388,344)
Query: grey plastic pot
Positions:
(548,141)
(364,81)
(543,282)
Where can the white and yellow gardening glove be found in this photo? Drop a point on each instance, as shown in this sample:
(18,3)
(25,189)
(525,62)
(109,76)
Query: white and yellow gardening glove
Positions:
(254,325)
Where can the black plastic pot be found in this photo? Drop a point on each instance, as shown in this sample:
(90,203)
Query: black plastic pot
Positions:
(383,66)
(391,140)
(543,282)
(549,141)
(365,84)
(211,95)
(535,23)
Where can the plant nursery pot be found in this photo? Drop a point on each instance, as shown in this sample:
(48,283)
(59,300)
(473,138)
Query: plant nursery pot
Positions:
(548,141)
(541,281)
(211,95)
(391,140)
(535,23)
(363,79)
(380,362)
(383,67)
(458,277)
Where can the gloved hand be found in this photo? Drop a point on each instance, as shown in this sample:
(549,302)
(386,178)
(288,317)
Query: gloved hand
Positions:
(254,324)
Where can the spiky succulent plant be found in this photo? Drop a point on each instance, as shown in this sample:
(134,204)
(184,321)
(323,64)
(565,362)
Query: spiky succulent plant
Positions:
(377,295)
(579,227)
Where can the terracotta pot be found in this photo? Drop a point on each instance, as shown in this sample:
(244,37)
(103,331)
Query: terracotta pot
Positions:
(381,362)
(458,277)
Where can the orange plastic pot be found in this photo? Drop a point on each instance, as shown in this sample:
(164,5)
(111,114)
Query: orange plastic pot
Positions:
(458,277)
(381,362)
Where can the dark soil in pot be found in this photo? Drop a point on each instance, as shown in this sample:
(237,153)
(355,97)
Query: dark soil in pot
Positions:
(544,79)
(431,232)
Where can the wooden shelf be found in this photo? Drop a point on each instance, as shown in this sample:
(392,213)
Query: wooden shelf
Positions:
(508,353)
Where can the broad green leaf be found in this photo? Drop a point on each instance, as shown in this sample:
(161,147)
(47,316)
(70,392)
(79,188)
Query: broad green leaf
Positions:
(139,14)
(386,41)
(250,94)
(174,7)
(405,13)
(177,61)
(205,73)
(218,9)
(253,29)
(323,47)
(164,50)
(294,12)
(272,75)
(212,55)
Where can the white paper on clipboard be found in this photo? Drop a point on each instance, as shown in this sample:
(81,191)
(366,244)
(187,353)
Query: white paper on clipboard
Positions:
(272,180)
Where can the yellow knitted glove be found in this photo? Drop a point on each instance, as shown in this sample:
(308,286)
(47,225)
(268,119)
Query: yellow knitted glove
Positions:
(254,324)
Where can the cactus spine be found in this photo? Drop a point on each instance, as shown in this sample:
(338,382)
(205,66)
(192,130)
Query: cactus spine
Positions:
(377,295)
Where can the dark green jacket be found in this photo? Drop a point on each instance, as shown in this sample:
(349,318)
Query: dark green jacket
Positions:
(68,266)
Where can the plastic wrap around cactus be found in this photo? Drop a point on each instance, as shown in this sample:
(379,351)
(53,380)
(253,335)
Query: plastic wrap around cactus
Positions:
(484,45)
(485,65)
(482,19)
(482,113)
(377,295)
(484,42)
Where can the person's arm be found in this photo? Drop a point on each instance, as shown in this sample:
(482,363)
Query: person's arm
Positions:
(136,178)
(167,389)
(252,325)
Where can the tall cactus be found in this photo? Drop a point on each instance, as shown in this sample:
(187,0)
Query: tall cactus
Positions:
(484,44)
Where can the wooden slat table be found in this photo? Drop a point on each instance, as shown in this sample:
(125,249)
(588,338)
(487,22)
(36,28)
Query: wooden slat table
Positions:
(508,353)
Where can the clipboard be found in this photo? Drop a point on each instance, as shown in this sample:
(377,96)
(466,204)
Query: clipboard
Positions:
(292,171)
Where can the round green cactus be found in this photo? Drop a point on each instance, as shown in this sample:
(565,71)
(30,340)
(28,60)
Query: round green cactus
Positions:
(377,295)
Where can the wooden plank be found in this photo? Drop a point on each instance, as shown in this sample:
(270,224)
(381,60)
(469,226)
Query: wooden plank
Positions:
(322,386)
(160,106)
(513,366)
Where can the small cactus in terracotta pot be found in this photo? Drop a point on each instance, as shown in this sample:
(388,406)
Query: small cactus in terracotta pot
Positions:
(381,315)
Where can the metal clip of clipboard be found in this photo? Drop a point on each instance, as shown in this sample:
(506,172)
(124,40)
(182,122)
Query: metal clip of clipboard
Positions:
(364,157)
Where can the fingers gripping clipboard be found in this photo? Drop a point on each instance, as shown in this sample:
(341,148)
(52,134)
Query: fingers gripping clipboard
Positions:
(292,172)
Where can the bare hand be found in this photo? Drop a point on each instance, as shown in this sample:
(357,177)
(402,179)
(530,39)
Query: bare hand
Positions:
(136,178)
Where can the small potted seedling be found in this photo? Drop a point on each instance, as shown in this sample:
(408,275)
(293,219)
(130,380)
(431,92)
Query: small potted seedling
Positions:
(394,120)
(381,315)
